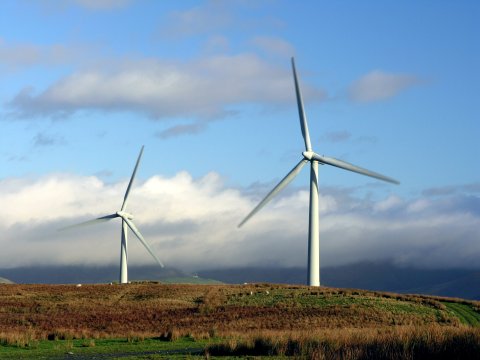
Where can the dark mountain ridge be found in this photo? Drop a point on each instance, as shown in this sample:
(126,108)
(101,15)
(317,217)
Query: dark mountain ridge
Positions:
(381,276)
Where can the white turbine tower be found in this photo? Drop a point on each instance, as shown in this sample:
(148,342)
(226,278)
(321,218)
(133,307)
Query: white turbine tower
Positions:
(310,156)
(127,222)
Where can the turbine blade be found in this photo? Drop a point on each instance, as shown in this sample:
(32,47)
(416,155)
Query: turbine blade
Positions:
(90,222)
(134,229)
(301,111)
(124,205)
(350,167)
(285,181)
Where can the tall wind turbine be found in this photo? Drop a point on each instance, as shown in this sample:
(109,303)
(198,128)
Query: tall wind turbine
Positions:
(310,156)
(127,222)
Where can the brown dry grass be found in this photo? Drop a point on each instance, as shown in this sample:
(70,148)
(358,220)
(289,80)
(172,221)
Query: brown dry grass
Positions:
(428,342)
(155,310)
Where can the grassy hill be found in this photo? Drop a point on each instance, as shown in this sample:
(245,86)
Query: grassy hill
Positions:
(251,314)
(194,280)
(377,276)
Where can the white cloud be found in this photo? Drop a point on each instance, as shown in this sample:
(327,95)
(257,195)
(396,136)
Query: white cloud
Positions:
(274,45)
(210,16)
(451,189)
(19,55)
(391,202)
(378,85)
(206,88)
(192,224)
(182,129)
(419,205)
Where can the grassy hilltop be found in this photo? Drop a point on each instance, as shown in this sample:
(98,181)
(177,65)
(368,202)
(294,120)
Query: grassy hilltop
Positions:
(240,319)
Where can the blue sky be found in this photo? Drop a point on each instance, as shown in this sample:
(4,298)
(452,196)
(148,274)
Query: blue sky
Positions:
(206,86)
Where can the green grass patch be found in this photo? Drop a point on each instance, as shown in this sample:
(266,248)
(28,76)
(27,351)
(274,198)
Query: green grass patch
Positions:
(465,313)
(295,298)
(146,348)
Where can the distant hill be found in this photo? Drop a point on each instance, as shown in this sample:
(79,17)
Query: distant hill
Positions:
(99,275)
(381,276)
(87,274)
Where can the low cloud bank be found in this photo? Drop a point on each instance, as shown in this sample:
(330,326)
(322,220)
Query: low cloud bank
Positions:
(192,224)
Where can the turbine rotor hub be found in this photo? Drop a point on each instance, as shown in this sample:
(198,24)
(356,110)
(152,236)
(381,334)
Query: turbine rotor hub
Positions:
(308,155)
(124,214)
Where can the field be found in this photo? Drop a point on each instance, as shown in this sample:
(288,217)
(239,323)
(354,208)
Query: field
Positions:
(145,320)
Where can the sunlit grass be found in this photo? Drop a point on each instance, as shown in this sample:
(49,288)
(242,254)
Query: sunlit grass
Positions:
(91,319)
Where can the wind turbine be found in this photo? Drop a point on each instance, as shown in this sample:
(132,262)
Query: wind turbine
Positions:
(310,156)
(127,222)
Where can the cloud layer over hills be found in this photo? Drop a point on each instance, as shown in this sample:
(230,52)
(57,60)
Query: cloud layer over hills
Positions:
(192,224)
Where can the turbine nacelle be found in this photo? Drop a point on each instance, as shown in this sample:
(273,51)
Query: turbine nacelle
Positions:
(124,215)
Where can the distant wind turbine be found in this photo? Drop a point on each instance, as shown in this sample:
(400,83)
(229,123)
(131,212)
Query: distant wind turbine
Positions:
(127,222)
(310,156)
